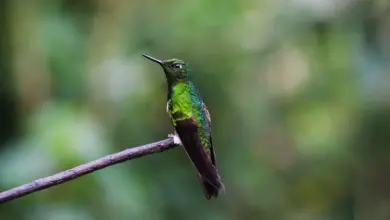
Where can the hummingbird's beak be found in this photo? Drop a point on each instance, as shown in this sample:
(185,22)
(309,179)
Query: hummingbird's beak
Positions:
(153,59)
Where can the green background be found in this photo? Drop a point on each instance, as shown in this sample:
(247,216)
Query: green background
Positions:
(298,92)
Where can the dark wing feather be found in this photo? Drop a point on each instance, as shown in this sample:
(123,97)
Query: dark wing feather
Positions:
(188,132)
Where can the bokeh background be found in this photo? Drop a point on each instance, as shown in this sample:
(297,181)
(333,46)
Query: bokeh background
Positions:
(299,93)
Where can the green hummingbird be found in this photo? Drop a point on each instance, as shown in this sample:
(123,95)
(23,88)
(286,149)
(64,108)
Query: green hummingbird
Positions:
(192,122)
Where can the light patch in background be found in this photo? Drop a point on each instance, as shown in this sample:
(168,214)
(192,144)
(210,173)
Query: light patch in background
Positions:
(116,78)
(24,162)
(323,9)
(58,133)
(58,211)
(287,72)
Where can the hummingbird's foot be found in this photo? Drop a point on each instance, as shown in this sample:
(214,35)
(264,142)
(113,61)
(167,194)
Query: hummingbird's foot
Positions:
(176,139)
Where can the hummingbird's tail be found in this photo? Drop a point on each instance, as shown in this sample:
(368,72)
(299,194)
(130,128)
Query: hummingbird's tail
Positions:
(211,189)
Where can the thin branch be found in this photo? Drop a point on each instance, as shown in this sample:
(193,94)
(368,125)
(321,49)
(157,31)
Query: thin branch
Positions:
(76,172)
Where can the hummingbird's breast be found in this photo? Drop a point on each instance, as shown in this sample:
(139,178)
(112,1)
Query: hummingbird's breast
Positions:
(179,105)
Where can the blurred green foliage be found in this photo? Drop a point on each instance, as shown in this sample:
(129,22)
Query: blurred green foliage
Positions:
(298,91)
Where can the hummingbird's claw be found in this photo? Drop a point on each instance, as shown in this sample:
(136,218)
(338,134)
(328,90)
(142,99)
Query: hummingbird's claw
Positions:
(176,139)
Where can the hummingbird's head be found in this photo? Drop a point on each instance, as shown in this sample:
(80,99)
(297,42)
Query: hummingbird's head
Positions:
(175,70)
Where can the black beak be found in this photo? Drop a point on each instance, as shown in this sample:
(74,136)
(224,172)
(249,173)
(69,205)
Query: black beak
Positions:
(153,59)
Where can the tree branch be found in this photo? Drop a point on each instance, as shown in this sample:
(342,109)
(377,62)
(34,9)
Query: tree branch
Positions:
(76,172)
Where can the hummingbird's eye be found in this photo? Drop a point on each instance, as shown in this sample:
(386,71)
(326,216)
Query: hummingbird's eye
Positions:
(176,66)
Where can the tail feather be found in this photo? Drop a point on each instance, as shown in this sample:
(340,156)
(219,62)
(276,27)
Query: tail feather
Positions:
(211,189)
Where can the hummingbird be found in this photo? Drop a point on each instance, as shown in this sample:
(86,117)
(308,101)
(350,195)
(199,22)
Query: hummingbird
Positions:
(192,122)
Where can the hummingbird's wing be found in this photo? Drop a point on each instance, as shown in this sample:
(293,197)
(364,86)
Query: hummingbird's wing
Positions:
(188,131)
(210,189)
(208,117)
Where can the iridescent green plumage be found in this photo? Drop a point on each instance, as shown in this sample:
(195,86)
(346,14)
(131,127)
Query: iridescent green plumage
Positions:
(185,99)
(192,123)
